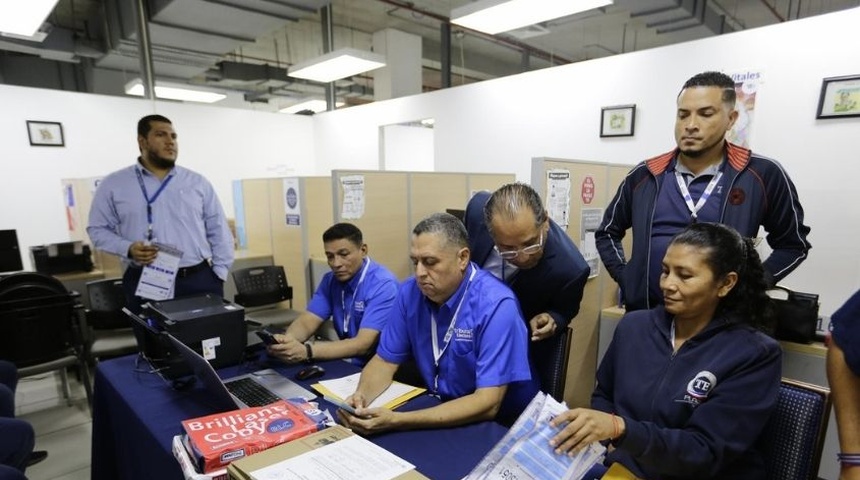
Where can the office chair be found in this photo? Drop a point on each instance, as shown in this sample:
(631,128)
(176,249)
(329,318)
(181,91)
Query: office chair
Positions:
(794,436)
(40,328)
(552,366)
(264,287)
(107,329)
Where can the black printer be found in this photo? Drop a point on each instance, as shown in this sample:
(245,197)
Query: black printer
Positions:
(63,257)
(208,324)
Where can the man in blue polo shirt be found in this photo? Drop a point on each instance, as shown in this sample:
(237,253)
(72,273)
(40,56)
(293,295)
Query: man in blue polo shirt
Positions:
(357,295)
(464,330)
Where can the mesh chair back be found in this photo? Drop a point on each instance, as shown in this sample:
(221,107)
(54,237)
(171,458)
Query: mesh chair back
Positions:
(37,319)
(107,298)
(794,436)
(552,368)
(258,286)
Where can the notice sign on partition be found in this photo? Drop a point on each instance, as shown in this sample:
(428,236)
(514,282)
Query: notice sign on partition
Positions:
(292,207)
(353,197)
(558,196)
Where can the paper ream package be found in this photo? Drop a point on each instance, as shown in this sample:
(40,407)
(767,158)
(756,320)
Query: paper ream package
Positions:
(215,440)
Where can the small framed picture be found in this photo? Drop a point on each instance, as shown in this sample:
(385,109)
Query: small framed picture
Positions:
(840,97)
(45,134)
(617,121)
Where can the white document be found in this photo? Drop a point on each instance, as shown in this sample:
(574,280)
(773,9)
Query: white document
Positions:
(346,386)
(352,458)
(159,277)
(558,195)
(353,197)
(590,222)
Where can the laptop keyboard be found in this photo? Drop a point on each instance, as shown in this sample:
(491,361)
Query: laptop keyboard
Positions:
(250,392)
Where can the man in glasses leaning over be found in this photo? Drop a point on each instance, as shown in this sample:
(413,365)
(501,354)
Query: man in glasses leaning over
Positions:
(511,236)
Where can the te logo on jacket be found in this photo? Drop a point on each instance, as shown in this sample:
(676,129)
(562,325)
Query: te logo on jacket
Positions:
(699,388)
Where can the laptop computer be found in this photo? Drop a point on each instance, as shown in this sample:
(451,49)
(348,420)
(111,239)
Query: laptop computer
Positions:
(249,390)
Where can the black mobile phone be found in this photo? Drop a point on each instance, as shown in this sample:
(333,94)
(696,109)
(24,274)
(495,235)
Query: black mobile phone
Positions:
(266,336)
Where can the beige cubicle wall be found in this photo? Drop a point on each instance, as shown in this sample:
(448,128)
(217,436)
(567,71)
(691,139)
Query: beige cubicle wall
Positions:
(290,235)
(583,194)
(78,198)
(394,202)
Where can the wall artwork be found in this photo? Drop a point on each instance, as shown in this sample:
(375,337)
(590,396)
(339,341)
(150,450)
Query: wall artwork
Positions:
(617,121)
(45,134)
(840,97)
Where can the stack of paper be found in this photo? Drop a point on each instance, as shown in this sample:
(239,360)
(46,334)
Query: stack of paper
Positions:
(395,395)
(525,453)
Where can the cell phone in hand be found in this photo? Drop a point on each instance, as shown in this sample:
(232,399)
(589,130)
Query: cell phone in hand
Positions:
(266,336)
(340,404)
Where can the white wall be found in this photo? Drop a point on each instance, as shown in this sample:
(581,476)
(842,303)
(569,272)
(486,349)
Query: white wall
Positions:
(407,147)
(499,125)
(100,136)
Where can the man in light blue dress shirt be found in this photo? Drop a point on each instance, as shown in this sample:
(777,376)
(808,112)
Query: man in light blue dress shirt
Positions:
(357,295)
(155,200)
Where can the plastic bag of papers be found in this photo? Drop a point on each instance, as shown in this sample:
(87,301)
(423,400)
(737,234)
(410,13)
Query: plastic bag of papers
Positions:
(524,452)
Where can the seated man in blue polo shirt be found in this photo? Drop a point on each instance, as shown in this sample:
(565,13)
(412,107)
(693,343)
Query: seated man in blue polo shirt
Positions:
(464,330)
(357,295)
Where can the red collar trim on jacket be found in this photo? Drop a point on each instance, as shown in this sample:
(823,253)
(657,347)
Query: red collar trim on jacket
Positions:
(738,157)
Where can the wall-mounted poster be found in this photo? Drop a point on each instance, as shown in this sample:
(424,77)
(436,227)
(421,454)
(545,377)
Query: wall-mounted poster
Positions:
(558,196)
(353,197)
(292,207)
(746,86)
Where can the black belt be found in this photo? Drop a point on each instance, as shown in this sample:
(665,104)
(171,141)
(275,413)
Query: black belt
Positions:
(186,271)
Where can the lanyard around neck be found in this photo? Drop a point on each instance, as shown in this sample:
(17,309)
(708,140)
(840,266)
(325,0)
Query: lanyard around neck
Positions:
(434,337)
(347,313)
(688,199)
(150,201)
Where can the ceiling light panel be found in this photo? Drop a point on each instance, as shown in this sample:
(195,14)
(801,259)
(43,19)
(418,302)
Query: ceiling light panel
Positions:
(24,17)
(338,64)
(497,16)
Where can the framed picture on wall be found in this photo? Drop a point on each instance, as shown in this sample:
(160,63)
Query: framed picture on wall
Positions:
(617,121)
(45,134)
(840,97)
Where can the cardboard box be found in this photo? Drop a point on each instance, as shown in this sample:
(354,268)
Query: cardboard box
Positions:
(241,469)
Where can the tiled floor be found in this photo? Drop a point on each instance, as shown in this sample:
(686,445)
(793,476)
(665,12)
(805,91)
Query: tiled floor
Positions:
(62,428)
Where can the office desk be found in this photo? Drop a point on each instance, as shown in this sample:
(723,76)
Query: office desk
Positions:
(135,416)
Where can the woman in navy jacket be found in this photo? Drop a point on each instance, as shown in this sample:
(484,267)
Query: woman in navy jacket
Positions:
(686,389)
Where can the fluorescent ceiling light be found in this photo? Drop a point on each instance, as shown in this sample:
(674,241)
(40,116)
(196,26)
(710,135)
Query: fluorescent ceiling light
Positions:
(335,65)
(315,106)
(135,87)
(24,18)
(496,16)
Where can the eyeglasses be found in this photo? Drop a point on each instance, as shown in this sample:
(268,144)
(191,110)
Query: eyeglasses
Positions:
(530,250)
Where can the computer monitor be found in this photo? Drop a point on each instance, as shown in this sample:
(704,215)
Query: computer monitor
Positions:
(10,254)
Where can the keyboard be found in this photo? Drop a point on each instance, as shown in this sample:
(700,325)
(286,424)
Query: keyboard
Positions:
(251,393)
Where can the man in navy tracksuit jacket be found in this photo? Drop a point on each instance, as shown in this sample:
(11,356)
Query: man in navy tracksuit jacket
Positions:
(696,413)
(756,192)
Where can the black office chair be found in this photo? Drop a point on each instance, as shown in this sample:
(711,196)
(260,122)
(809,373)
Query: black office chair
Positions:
(264,287)
(794,436)
(259,286)
(552,364)
(108,330)
(40,328)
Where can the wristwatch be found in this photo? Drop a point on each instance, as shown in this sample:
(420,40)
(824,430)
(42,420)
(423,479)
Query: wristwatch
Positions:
(310,353)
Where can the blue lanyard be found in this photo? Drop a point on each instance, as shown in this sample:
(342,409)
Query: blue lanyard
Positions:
(437,352)
(347,313)
(149,201)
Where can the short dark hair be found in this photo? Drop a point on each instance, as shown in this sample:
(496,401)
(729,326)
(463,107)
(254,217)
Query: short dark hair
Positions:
(451,228)
(727,251)
(144,125)
(343,231)
(512,198)
(714,79)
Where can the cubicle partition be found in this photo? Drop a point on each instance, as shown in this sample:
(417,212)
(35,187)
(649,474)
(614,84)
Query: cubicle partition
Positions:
(576,193)
(285,217)
(387,205)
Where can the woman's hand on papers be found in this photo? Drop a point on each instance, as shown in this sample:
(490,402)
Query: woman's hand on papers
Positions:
(582,426)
